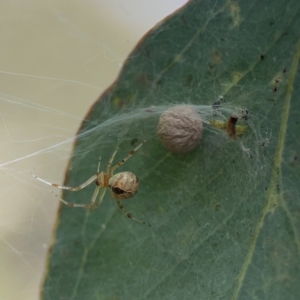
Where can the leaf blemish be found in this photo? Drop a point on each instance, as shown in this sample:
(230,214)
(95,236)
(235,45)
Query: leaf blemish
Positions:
(235,13)
(294,160)
(217,57)
(189,80)
(143,78)
(217,207)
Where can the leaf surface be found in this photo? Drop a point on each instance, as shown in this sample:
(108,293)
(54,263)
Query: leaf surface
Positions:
(224,225)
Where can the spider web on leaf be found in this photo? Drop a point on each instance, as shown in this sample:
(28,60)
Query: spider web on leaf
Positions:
(224,224)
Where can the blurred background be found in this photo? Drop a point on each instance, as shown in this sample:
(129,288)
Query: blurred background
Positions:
(56,58)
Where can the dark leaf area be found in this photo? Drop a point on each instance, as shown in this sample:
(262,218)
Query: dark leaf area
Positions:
(224,225)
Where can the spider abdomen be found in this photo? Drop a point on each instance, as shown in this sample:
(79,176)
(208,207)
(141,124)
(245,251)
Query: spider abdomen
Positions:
(124,185)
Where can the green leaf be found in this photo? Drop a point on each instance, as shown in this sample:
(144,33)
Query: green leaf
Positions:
(225,224)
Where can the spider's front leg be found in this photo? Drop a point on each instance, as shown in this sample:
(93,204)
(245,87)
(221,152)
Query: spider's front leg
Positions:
(69,188)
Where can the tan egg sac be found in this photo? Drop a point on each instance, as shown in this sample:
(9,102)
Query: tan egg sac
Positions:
(124,185)
(180,129)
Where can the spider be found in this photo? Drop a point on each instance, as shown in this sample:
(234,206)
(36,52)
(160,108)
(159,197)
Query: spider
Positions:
(123,185)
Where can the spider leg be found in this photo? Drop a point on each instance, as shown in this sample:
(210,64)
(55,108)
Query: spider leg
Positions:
(101,197)
(91,205)
(122,162)
(130,215)
(99,162)
(69,188)
(111,160)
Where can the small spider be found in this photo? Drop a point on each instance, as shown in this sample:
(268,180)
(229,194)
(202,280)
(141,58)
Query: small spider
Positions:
(123,185)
